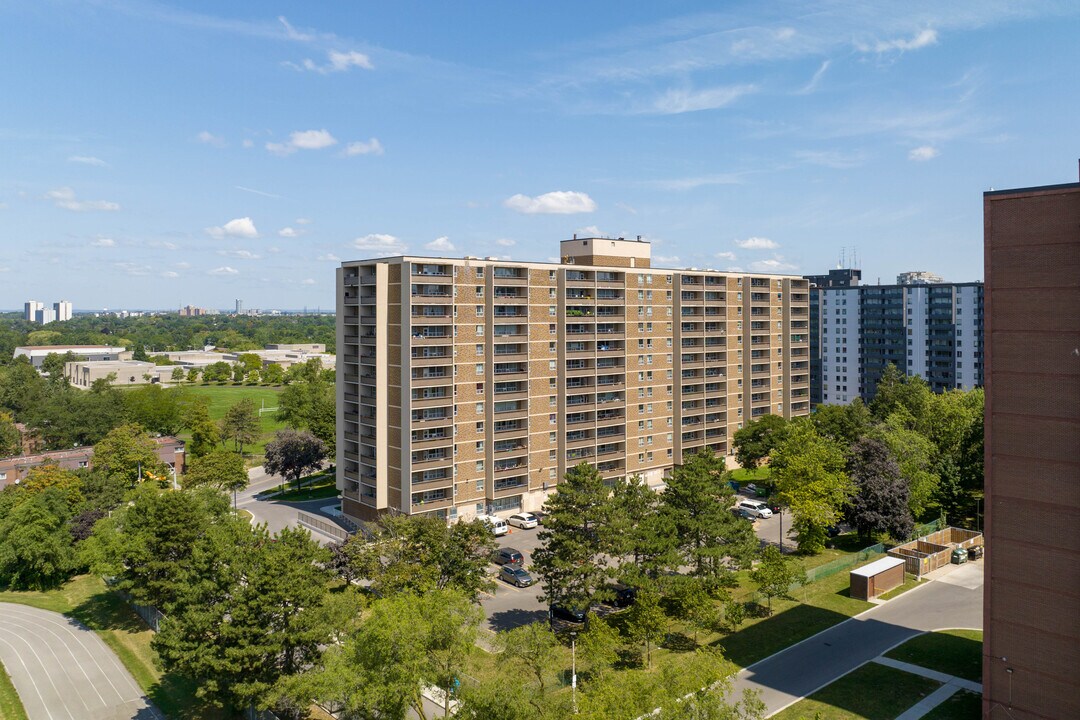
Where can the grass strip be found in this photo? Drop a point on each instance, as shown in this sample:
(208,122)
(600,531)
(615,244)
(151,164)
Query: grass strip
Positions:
(870,692)
(912,582)
(954,652)
(11,707)
(962,705)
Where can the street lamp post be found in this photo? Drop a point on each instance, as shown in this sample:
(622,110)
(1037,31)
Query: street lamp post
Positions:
(573,669)
(781,515)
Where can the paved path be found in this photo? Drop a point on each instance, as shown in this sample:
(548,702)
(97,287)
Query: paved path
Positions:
(950,684)
(952,600)
(276,514)
(63,671)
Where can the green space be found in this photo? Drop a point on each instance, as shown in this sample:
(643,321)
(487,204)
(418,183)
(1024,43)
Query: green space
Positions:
(221,397)
(956,652)
(314,487)
(962,705)
(10,706)
(870,692)
(86,599)
(909,583)
(742,475)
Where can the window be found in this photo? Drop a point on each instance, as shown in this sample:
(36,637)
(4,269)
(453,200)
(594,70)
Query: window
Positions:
(479,427)
(552,382)
(551,364)
(479,446)
(551,310)
(479,368)
(479,272)
(479,349)
(479,408)
(479,466)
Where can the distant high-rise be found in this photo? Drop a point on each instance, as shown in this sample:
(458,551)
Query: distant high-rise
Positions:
(62,310)
(918,277)
(239,306)
(1032,477)
(44,315)
(933,330)
(30,309)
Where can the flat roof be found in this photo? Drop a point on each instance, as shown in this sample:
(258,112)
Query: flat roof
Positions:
(878,566)
(55,348)
(1036,189)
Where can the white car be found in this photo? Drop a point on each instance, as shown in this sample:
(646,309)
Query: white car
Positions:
(525,521)
(756,508)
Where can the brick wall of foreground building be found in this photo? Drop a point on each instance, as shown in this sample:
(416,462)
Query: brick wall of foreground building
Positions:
(469,385)
(1032,591)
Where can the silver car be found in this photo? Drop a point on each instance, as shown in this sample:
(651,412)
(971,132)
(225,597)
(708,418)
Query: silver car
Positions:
(515,575)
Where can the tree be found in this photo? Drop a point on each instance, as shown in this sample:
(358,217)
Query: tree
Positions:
(646,622)
(641,534)
(273,374)
(241,424)
(534,649)
(252,377)
(139,353)
(574,538)
(130,453)
(691,601)
(756,440)
(249,362)
(712,538)
(293,454)
(880,503)
(193,374)
(419,554)
(218,372)
(915,456)
(405,644)
(775,575)
(55,364)
(255,610)
(712,703)
(205,435)
(178,374)
(309,402)
(221,469)
(810,478)
(157,410)
(10,437)
(598,647)
(844,424)
(35,544)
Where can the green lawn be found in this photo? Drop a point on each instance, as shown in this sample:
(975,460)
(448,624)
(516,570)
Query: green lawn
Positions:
(742,475)
(86,599)
(962,705)
(956,652)
(313,487)
(10,706)
(911,582)
(870,692)
(221,397)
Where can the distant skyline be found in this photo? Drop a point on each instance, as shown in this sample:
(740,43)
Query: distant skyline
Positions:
(157,155)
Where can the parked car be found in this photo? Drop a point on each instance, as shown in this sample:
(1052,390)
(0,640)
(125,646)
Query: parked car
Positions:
(567,614)
(739,512)
(624,595)
(540,516)
(775,506)
(508,556)
(516,575)
(498,525)
(525,521)
(756,508)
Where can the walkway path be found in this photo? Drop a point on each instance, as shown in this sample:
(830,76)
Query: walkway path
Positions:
(949,685)
(277,514)
(63,671)
(953,599)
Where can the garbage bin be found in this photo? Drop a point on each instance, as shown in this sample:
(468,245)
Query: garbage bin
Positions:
(959,556)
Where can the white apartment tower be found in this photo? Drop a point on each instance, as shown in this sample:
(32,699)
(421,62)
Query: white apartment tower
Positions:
(62,310)
(471,385)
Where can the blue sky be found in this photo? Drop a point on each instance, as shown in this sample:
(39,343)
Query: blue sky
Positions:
(155,154)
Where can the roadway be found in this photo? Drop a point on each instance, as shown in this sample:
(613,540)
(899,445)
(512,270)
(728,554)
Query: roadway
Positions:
(276,514)
(63,671)
(952,599)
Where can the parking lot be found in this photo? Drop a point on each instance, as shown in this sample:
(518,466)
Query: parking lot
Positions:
(509,606)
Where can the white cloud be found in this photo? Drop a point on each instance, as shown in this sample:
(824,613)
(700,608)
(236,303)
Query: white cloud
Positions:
(690,183)
(337,61)
(242,254)
(308,281)
(560,202)
(208,138)
(287,232)
(65,198)
(183,265)
(303,140)
(379,245)
(104,243)
(734,269)
(815,80)
(170,274)
(223,270)
(921,39)
(774,265)
(257,192)
(371,147)
(923,153)
(440,244)
(131,268)
(239,227)
(328,257)
(292,33)
(667,259)
(674,102)
(163,244)
(506,242)
(757,243)
(303,221)
(4,268)
(729,256)
(88,160)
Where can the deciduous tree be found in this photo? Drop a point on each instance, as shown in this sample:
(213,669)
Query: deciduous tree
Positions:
(293,454)
(880,503)
(130,453)
(775,574)
(221,469)
(240,424)
(35,544)
(756,440)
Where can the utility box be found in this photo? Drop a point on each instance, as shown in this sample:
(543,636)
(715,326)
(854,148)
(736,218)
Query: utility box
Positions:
(878,577)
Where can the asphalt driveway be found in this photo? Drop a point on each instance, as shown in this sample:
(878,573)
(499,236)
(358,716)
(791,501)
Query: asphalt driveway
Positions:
(63,671)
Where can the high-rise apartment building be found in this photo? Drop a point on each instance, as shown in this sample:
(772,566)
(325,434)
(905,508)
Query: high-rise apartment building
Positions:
(1031,599)
(30,310)
(62,310)
(934,331)
(471,385)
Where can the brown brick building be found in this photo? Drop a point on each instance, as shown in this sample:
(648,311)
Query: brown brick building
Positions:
(471,385)
(1032,597)
(14,470)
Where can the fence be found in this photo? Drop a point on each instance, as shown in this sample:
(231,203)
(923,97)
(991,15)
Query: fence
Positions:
(311,522)
(851,560)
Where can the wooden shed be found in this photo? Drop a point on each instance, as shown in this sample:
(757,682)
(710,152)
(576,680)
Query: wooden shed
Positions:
(880,576)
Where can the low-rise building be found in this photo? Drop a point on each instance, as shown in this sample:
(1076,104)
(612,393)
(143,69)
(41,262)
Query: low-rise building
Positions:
(13,470)
(82,374)
(38,353)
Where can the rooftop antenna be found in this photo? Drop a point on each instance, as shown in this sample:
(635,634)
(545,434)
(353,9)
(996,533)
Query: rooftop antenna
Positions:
(842,253)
